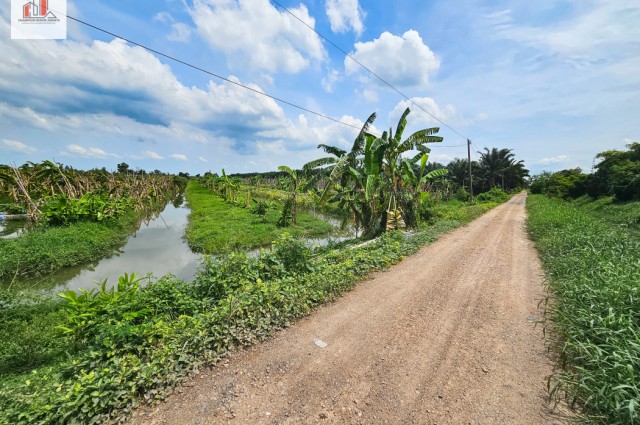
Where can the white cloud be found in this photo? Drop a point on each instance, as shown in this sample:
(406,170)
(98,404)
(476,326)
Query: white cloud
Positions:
(180,156)
(400,60)
(90,152)
(345,15)
(17,146)
(203,159)
(329,80)
(554,160)
(113,78)
(419,117)
(152,155)
(307,133)
(254,34)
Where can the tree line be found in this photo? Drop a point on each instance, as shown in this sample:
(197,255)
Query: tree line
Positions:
(616,173)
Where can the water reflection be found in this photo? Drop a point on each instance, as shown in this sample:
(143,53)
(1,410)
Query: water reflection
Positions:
(157,247)
(12,228)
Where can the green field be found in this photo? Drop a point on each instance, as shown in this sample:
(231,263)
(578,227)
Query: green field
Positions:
(216,226)
(591,255)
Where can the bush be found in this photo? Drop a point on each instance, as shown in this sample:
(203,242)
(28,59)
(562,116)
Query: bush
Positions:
(494,195)
(462,194)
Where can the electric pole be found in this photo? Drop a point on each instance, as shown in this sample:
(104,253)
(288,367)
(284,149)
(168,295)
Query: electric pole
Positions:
(470,175)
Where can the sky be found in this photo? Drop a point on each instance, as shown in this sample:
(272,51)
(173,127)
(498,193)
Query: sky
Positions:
(555,81)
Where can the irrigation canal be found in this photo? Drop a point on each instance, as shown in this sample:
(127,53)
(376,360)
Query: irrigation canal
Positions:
(157,247)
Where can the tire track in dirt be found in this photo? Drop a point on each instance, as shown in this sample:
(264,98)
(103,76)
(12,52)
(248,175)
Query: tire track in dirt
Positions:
(445,337)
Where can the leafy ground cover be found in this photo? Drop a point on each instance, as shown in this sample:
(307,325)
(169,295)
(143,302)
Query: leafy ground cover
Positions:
(98,354)
(593,270)
(216,226)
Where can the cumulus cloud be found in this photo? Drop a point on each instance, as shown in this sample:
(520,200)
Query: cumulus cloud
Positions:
(180,156)
(345,15)
(418,116)
(153,155)
(17,146)
(89,152)
(553,160)
(307,133)
(400,60)
(113,78)
(254,34)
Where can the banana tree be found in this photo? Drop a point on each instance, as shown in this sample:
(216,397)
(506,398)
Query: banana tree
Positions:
(295,181)
(415,180)
(399,199)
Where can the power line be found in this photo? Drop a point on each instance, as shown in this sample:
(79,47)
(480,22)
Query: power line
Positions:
(213,74)
(368,69)
(185,63)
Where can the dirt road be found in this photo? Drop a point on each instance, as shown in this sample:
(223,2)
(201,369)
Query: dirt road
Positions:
(445,337)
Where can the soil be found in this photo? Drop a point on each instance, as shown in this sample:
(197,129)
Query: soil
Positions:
(448,336)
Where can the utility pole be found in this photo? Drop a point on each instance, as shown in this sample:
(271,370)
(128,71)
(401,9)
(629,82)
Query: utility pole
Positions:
(470,175)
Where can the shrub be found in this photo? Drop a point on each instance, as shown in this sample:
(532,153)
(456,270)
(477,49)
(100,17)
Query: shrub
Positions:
(494,195)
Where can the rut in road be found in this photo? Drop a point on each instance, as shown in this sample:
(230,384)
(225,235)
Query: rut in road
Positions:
(445,337)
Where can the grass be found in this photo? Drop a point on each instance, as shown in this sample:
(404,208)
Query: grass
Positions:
(216,226)
(625,215)
(122,348)
(42,251)
(593,270)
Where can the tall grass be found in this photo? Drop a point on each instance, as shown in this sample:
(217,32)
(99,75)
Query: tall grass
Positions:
(593,270)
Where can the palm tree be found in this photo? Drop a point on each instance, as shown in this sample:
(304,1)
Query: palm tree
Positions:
(458,171)
(493,163)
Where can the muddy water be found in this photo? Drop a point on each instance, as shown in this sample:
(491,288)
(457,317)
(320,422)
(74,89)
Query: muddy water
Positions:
(157,248)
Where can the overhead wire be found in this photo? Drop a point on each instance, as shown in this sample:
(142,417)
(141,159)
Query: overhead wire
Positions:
(159,53)
(278,99)
(368,69)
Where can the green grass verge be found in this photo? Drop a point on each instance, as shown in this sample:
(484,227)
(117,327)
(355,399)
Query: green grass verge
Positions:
(135,345)
(625,215)
(593,270)
(42,251)
(216,226)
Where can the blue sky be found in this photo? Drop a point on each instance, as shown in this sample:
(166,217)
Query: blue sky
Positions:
(555,81)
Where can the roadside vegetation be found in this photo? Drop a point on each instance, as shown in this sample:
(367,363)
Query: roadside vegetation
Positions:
(590,250)
(91,357)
